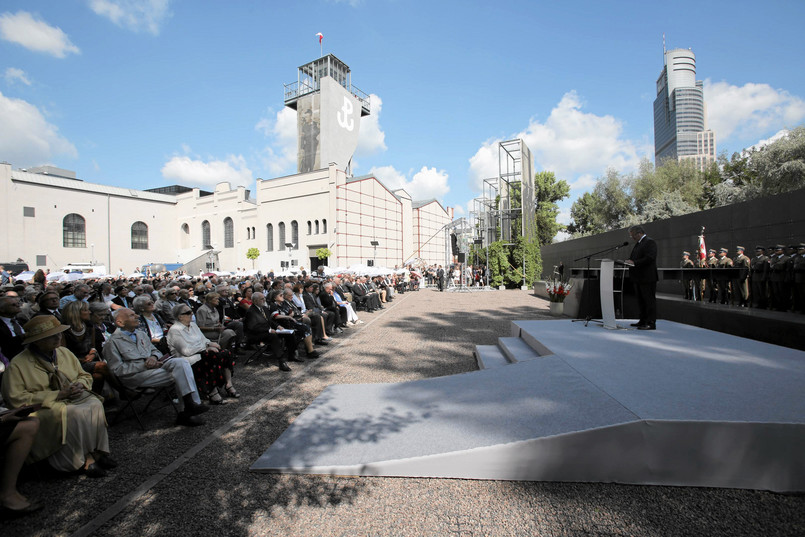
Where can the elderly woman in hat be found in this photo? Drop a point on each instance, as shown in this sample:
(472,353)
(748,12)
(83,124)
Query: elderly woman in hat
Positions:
(72,432)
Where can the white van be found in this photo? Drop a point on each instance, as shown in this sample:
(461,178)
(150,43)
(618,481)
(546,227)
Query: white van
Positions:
(86,268)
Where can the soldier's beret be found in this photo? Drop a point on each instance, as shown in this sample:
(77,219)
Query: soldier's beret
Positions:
(779,247)
(686,253)
(741,248)
(800,246)
(711,251)
(724,250)
(760,248)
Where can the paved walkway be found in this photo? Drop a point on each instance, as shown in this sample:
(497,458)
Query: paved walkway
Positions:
(195,482)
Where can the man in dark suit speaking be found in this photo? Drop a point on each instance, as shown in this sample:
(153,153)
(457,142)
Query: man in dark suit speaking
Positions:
(643,270)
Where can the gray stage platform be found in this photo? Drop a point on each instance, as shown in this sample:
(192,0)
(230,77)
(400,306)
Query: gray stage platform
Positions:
(675,406)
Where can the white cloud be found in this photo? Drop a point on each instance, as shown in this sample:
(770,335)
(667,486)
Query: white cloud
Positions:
(425,184)
(371,138)
(27,139)
(13,75)
(750,109)
(136,15)
(191,172)
(279,157)
(36,35)
(573,144)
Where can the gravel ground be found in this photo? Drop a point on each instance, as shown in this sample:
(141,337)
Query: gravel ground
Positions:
(195,481)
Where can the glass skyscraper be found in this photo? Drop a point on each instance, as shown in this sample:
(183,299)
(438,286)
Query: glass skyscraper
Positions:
(680,124)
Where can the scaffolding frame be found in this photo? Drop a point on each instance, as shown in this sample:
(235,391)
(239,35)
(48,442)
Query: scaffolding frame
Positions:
(505,198)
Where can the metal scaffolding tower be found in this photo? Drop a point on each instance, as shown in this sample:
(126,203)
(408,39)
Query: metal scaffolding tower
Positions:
(507,201)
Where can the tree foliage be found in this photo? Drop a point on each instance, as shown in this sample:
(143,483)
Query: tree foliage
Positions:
(252,253)
(547,192)
(679,187)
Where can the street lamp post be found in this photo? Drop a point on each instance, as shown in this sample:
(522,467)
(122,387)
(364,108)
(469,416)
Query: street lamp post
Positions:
(375,244)
(92,254)
(290,246)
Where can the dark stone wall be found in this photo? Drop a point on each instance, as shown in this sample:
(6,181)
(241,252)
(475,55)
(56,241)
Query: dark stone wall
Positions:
(766,221)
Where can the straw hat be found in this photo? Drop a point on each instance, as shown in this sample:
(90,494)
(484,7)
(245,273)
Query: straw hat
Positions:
(42,326)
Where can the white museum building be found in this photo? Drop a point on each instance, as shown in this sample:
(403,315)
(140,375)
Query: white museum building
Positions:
(52,218)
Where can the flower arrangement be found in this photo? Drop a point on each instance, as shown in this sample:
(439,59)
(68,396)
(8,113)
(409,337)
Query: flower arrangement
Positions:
(558,290)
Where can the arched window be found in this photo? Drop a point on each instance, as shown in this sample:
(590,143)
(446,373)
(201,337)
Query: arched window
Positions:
(282,235)
(74,231)
(185,236)
(309,228)
(295,233)
(248,233)
(229,233)
(254,232)
(205,235)
(270,233)
(317,227)
(324,226)
(139,236)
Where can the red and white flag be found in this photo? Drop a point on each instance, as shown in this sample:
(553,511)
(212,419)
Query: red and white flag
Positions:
(702,248)
(320,36)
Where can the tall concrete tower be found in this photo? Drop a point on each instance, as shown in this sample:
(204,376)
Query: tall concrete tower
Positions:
(328,110)
(680,123)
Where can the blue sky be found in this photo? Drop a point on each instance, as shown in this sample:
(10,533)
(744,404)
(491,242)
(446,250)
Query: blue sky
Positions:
(145,93)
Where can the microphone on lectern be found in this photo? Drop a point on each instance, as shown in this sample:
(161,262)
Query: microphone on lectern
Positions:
(626,243)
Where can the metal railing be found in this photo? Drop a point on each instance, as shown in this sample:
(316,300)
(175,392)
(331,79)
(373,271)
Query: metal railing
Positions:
(295,90)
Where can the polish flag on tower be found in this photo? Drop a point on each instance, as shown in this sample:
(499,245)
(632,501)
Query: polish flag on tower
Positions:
(320,36)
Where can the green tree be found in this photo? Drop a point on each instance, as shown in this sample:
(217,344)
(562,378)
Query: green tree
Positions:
(323,253)
(547,192)
(253,253)
(780,166)
(585,216)
(616,204)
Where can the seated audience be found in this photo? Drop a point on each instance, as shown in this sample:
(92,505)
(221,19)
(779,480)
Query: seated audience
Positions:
(165,304)
(80,293)
(11,332)
(282,311)
(212,366)
(139,364)
(17,433)
(29,306)
(83,341)
(72,425)
(208,320)
(309,317)
(260,327)
(312,303)
(99,316)
(121,299)
(151,322)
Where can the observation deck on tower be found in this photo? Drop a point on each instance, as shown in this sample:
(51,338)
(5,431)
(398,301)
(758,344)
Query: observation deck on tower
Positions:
(309,79)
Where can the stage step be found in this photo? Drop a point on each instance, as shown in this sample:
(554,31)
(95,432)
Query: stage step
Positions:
(516,349)
(490,357)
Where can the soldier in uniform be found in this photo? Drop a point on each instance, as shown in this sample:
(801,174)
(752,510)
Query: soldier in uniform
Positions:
(686,263)
(798,267)
(723,279)
(778,278)
(759,276)
(712,263)
(740,284)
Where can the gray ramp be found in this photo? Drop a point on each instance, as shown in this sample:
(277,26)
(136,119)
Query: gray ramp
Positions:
(610,406)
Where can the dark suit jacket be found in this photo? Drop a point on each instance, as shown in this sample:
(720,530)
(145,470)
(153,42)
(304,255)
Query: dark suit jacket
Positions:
(644,255)
(258,322)
(10,343)
(119,301)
